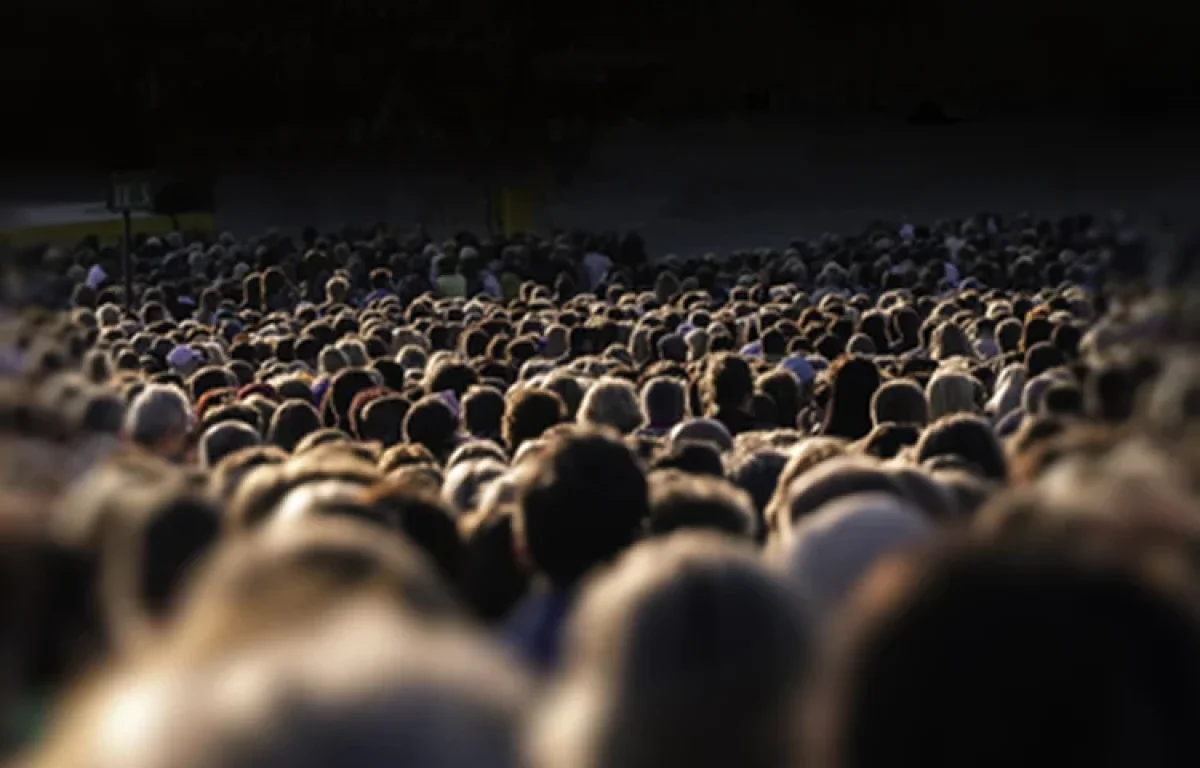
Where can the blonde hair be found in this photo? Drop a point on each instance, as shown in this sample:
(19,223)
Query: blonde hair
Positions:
(1010,387)
(950,341)
(950,393)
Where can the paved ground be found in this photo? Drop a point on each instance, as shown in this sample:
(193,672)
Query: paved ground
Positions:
(721,186)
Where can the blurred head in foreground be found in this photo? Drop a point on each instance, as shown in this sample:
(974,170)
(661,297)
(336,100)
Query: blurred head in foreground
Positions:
(687,652)
(364,688)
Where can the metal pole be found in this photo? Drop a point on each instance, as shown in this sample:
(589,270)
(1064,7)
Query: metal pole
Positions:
(127,259)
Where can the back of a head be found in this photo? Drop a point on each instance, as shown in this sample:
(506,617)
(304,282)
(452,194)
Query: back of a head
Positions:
(703,431)
(483,412)
(968,437)
(692,457)
(664,402)
(433,423)
(729,383)
(951,393)
(853,385)
(363,690)
(292,422)
(149,547)
(688,652)
(528,413)
(383,420)
(1042,357)
(579,504)
(293,572)
(681,501)
(611,403)
(159,418)
(949,341)
(889,440)
(827,482)
(466,482)
(757,474)
(224,438)
(1015,649)
(832,549)
(901,402)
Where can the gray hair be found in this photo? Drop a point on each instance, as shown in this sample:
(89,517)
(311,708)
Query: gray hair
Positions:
(611,402)
(832,549)
(159,412)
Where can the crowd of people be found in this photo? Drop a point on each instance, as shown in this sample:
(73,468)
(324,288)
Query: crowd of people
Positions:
(919,495)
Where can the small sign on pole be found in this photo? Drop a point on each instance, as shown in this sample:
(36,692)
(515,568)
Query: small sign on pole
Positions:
(130,192)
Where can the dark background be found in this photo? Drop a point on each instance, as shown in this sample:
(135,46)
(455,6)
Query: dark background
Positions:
(480,83)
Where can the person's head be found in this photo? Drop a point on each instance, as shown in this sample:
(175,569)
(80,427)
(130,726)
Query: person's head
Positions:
(208,379)
(900,401)
(580,503)
(152,532)
(101,413)
(889,440)
(1008,335)
(331,360)
(949,341)
(292,422)
(381,279)
(451,376)
(969,438)
(569,389)
(697,342)
(528,413)
(951,392)
(757,473)
(1110,394)
(853,382)
(493,578)
(467,481)
(228,474)
(1043,357)
(433,423)
(337,290)
(611,403)
(483,412)
(832,549)
(160,420)
(224,438)
(1013,648)
(682,501)
(687,653)
(828,481)
(416,511)
(672,347)
(782,386)
(382,420)
(729,384)
(365,689)
(702,431)
(664,401)
(693,457)
(1063,400)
